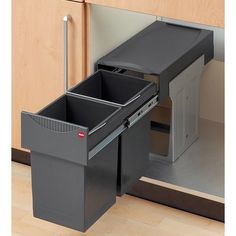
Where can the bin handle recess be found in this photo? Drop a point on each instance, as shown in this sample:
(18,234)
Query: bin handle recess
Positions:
(97,128)
(130,101)
(66,18)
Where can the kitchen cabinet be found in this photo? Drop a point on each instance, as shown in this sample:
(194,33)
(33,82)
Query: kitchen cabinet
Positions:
(205,12)
(38,54)
(198,174)
(77,133)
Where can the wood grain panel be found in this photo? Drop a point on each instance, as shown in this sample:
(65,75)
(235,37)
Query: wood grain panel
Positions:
(88,39)
(76,0)
(208,12)
(38,54)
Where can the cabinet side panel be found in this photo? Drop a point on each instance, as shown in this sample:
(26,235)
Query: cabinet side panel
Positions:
(37,59)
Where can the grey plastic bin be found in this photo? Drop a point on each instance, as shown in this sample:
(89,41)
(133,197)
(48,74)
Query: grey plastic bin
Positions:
(69,188)
(129,93)
(126,91)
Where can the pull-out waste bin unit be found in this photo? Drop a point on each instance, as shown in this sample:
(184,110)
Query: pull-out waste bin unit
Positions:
(74,147)
(172,56)
(92,143)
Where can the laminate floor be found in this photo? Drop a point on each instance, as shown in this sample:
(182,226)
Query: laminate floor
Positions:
(130,216)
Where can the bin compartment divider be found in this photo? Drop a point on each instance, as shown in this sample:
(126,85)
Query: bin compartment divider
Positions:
(103,101)
(93,99)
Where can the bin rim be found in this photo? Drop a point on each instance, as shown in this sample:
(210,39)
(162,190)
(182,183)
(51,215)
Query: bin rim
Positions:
(128,102)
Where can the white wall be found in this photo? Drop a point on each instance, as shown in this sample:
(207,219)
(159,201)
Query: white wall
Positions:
(110,27)
(212,92)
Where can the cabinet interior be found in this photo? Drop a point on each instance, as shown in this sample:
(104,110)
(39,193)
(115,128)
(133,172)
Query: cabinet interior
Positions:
(201,166)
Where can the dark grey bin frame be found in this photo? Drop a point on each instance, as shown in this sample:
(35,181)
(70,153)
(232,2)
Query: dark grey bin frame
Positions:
(52,136)
(162,49)
(69,188)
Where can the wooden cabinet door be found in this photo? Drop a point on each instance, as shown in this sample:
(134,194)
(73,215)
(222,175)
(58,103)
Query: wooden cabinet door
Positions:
(38,54)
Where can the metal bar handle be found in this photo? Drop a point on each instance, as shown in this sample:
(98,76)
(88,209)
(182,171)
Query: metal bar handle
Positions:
(66,19)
